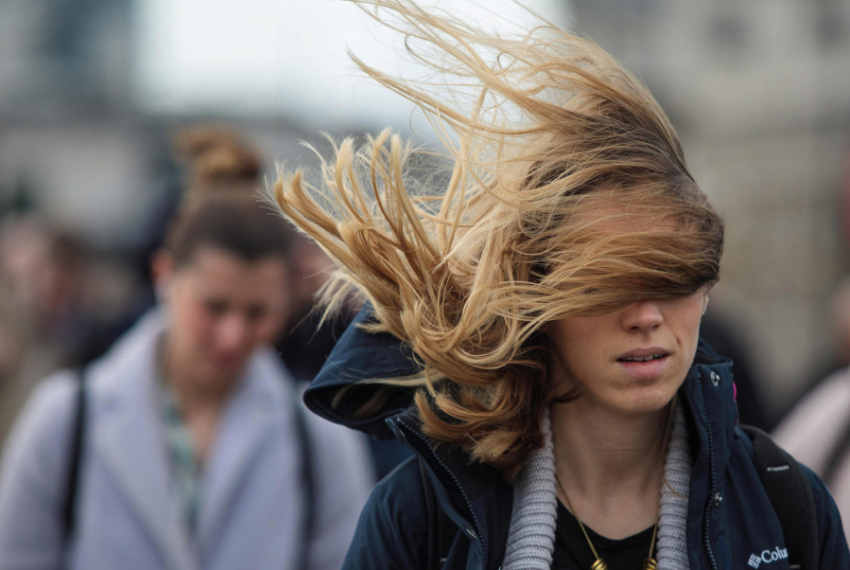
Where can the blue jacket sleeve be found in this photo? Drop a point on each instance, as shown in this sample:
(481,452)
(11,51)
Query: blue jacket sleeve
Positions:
(834,554)
(392,531)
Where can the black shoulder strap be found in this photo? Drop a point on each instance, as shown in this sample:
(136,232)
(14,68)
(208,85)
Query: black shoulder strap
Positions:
(791,496)
(308,485)
(74,459)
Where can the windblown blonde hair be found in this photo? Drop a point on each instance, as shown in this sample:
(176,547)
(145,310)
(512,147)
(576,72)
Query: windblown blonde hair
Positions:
(567,194)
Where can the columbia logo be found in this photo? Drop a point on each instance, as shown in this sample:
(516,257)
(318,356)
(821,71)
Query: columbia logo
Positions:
(768,556)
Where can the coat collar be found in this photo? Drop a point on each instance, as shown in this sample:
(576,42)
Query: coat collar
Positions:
(128,436)
(261,404)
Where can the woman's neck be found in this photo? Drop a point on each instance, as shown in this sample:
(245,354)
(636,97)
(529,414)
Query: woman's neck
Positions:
(201,404)
(610,464)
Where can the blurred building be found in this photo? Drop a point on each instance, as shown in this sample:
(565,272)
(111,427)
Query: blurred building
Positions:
(73,142)
(760,94)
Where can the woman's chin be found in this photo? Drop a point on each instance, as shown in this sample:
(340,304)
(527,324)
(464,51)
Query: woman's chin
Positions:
(221,376)
(644,400)
(649,396)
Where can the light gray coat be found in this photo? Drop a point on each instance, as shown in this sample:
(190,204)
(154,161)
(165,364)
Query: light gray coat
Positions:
(251,504)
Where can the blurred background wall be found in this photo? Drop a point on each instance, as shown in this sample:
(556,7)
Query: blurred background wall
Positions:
(760,94)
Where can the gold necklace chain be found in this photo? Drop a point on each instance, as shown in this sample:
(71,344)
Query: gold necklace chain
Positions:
(649,564)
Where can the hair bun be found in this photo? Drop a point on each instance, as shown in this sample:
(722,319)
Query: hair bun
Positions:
(216,154)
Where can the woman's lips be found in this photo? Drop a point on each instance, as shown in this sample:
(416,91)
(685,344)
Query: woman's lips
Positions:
(646,369)
(227,363)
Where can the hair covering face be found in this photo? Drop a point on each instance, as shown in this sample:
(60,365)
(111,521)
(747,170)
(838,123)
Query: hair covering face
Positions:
(562,191)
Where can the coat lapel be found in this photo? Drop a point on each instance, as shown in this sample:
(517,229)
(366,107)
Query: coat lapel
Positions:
(251,416)
(128,440)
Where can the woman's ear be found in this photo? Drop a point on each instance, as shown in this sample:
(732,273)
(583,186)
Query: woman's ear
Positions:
(162,273)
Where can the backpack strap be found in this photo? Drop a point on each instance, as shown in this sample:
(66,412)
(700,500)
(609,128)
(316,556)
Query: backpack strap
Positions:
(791,495)
(308,486)
(72,483)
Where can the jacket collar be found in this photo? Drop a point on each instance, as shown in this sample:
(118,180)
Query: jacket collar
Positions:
(709,396)
(711,411)
(343,382)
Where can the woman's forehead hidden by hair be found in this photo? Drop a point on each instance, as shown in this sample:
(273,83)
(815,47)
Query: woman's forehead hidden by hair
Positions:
(613,251)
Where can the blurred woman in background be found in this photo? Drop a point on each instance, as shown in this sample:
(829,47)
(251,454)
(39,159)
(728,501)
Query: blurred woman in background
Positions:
(185,447)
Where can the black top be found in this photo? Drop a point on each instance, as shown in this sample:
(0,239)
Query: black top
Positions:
(573,553)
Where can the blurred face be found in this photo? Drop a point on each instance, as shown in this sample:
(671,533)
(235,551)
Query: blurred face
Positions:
(222,308)
(633,360)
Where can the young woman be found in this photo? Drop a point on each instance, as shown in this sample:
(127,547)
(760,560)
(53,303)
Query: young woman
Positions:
(532,323)
(194,454)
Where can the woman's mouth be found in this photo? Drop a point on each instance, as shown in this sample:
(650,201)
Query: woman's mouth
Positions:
(642,358)
(644,364)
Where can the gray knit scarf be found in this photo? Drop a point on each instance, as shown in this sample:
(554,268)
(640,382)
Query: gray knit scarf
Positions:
(531,537)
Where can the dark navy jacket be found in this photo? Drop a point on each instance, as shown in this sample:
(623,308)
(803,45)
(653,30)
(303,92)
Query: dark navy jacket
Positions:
(731,523)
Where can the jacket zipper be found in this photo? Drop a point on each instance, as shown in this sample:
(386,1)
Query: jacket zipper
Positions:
(481,537)
(711,475)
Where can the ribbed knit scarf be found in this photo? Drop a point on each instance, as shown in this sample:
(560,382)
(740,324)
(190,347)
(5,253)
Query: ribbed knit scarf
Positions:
(531,536)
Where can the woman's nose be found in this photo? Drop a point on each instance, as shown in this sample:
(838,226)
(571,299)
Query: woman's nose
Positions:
(233,332)
(642,316)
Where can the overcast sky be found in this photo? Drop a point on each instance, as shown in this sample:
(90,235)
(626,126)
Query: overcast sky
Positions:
(282,57)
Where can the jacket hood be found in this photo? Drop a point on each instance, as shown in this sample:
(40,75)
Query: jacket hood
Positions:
(345,381)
